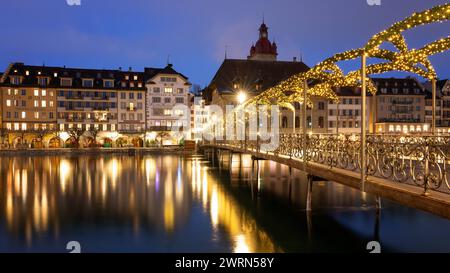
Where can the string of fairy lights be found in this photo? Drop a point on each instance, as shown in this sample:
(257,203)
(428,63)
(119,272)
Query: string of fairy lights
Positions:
(327,76)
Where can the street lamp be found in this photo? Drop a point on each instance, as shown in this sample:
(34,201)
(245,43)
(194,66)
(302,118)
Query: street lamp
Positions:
(241,97)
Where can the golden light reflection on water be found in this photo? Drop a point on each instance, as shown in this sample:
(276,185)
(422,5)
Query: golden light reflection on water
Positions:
(45,195)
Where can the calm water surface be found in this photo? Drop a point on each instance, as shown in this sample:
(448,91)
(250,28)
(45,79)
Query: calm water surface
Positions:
(171,203)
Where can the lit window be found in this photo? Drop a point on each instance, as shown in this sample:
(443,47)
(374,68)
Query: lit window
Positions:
(27,73)
(9,92)
(167,89)
(44,93)
(79,125)
(16,126)
(8,126)
(425,127)
(16,92)
(398,128)
(167,112)
(36,115)
(131,106)
(50,103)
(135,78)
(36,92)
(44,103)
(411,128)
(127,77)
(36,103)
(24,126)
(105,127)
(61,127)
(8,102)
(55,74)
(24,114)
(113,127)
(391,128)
(50,93)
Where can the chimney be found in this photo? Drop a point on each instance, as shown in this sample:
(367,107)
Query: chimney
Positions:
(294,59)
(130,68)
(120,68)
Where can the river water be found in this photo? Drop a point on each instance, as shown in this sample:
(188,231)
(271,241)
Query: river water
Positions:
(173,203)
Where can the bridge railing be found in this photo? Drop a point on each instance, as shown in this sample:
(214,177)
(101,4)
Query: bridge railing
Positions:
(422,160)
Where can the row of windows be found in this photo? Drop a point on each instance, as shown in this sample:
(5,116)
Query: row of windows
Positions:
(320,122)
(405,90)
(343,124)
(26,126)
(87,104)
(36,92)
(23,115)
(168,100)
(96,116)
(397,100)
(345,112)
(132,116)
(168,79)
(102,127)
(23,103)
(44,81)
(167,112)
(131,106)
(168,90)
(348,101)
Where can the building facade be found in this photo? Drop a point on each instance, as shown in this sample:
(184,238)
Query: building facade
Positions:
(166,88)
(41,99)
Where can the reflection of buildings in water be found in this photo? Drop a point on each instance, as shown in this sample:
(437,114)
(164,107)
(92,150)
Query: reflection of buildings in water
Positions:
(49,194)
(45,194)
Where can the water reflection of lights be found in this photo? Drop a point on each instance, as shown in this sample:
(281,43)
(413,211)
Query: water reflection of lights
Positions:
(43,203)
(64,173)
(214,208)
(241,245)
(226,214)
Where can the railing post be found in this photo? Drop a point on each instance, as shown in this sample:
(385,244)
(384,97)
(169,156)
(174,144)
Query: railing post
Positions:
(433,122)
(305,89)
(426,171)
(363,120)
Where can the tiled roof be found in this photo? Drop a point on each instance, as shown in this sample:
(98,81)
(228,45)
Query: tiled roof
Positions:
(248,74)
(122,79)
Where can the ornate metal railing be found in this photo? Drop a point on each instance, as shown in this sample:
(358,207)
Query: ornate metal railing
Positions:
(422,160)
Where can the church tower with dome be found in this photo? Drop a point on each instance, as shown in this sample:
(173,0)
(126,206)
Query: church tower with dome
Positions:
(263,50)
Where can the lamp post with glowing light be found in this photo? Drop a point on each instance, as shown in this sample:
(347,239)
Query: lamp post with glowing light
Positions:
(241,98)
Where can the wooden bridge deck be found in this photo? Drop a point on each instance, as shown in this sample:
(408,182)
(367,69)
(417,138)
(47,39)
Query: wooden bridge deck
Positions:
(409,195)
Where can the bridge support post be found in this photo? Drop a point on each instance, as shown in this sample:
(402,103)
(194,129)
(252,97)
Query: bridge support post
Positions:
(309,193)
(378,202)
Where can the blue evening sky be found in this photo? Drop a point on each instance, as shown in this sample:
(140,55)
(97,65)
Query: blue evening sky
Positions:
(138,33)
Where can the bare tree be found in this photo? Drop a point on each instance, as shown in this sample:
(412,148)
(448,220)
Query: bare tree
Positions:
(76,134)
(93,131)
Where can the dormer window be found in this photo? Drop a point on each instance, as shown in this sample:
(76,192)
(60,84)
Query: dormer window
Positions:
(108,83)
(127,77)
(384,90)
(42,81)
(66,82)
(55,75)
(88,83)
(27,73)
(15,80)
(395,90)
(135,77)
(405,91)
